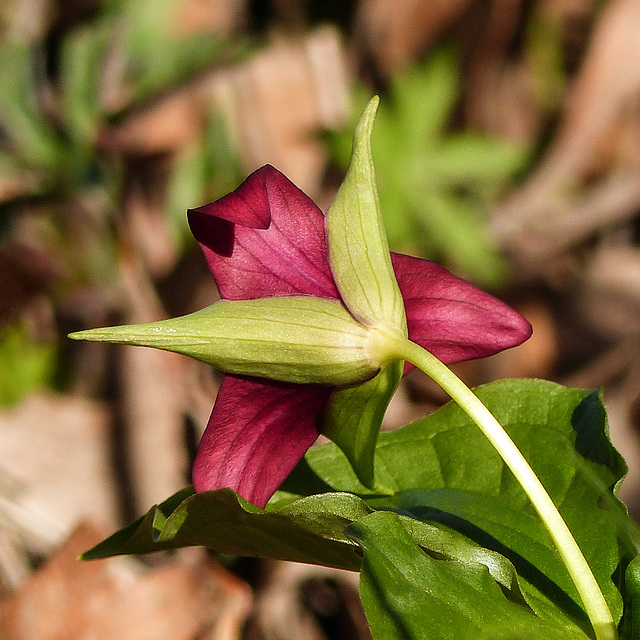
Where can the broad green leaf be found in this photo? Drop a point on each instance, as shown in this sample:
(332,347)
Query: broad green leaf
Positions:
(517,535)
(354,416)
(356,239)
(409,594)
(309,529)
(451,545)
(439,470)
(305,530)
(630,625)
(564,435)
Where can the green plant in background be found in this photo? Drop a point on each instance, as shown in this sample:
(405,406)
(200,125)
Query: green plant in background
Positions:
(60,177)
(435,185)
(545,57)
(210,167)
(24,364)
(59,143)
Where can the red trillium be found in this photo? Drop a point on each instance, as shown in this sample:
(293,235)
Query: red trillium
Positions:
(267,238)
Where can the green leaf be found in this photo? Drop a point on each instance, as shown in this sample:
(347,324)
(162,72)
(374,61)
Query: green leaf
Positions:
(462,235)
(409,594)
(426,96)
(358,248)
(455,497)
(445,544)
(472,157)
(562,432)
(147,28)
(305,530)
(517,535)
(309,529)
(35,142)
(81,60)
(630,625)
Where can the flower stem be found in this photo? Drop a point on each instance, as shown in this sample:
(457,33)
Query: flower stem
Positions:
(575,562)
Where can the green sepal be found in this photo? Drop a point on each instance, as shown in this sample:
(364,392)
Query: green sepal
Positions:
(354,415)
(300,339)
(358,247)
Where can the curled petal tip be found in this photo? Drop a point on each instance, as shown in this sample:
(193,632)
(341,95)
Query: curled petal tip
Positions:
(247,206)
(267,238)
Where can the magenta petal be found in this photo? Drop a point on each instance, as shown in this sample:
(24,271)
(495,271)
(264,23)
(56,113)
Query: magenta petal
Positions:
(247,205)
(452,318)
(265,239)
(257,433)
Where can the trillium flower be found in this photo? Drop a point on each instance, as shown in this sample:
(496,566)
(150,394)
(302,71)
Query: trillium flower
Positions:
(305,328)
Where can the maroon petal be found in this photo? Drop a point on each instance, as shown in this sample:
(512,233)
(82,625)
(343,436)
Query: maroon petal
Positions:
(257,433)
(265,239)
(452,318)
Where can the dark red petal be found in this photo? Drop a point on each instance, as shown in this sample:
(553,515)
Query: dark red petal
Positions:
(247,205)
(452,318)
(265,239)
(257,433)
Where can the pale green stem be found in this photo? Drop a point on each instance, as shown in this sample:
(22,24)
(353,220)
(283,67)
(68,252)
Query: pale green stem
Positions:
(579,570)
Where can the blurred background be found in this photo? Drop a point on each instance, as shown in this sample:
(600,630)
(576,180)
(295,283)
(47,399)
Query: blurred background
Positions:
(507,148)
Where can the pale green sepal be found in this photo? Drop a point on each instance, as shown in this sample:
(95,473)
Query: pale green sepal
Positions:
(358,248)
(301,339)
(354,415)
